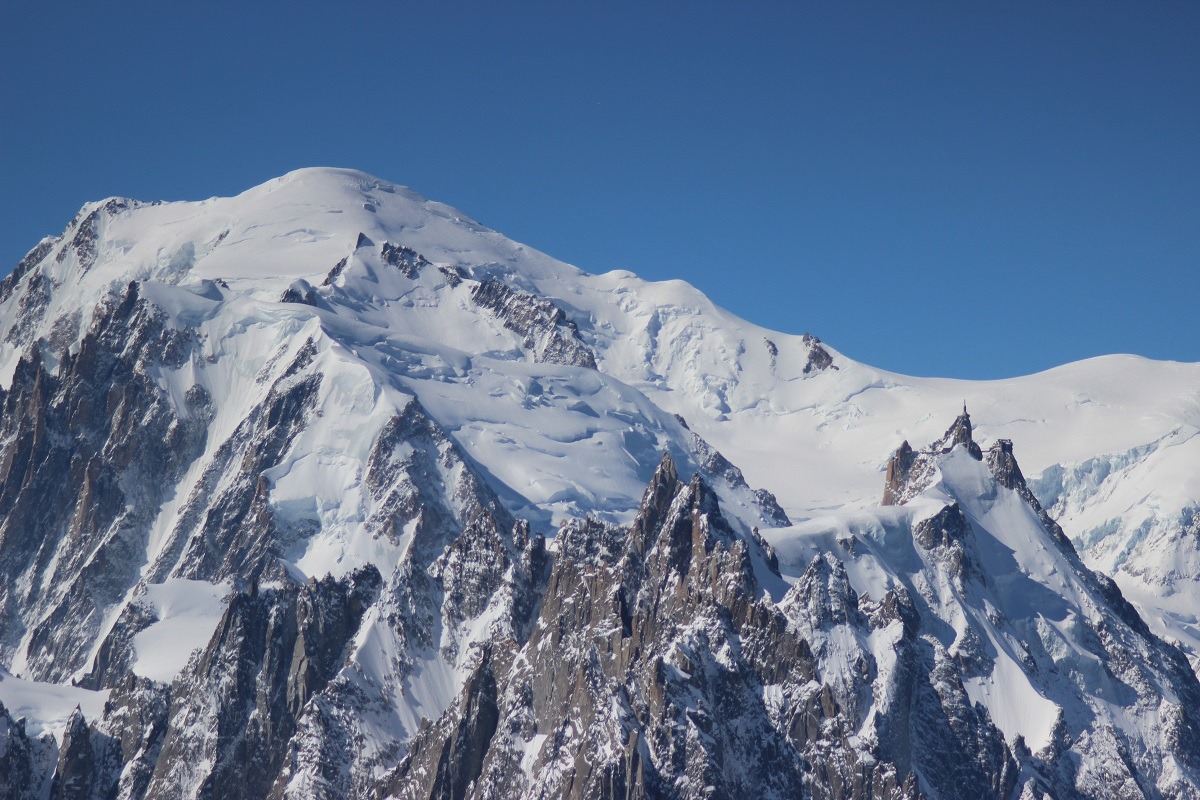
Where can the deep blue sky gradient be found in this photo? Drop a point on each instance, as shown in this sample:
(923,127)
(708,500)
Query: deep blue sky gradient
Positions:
(964,189)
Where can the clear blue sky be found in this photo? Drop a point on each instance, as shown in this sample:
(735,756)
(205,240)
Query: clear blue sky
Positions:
(965,189)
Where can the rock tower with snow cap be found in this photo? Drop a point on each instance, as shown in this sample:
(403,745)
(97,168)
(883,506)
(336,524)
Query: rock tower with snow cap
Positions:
(909,471)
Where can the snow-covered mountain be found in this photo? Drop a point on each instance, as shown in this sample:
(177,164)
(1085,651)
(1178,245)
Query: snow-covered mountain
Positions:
(326,490)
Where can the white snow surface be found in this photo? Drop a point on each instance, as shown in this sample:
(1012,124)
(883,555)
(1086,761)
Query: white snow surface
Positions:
(187,612)
(46,707)
(557,442)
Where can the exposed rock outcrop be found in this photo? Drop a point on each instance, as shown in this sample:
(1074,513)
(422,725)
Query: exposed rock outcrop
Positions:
(90,444)
(26,762)
(235,708)
(910,471)
(818,357)
(408,261)
(548,332)
(657,668)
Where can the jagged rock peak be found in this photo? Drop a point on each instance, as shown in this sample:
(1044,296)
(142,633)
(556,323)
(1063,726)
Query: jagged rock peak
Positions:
(408,261)
(818,357)
(898,468)
(643,677)
(909,471)
(663,484)
(74,777)
(959,432)
(546,329)
(1003,464)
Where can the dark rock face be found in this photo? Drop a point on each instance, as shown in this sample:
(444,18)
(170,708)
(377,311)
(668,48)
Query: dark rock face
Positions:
(31,304)
(31,260)
(234,531)
(896,479)
(773,352)
(945,529)
(302,292)
(960,433)
(464,735)
(75,776)
(26,763)
(1003,466)
(90,429)
(408,261)
(339,268)
(943,536)
(547,331)
(454,275)
(137,718)
(222,729)
(236,706)
(818,357)
(85,231)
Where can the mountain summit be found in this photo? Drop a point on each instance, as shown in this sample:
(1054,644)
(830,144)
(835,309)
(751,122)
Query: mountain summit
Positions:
(326,490)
